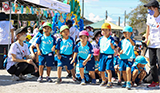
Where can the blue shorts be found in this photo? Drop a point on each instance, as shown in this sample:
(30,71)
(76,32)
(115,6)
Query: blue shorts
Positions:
(90,66)
(65,61)
(48,59)
(124,63)
(105,62)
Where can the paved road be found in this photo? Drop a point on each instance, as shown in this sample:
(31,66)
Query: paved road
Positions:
(67,86)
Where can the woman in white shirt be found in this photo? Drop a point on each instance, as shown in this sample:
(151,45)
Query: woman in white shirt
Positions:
(153,36)
(16,64)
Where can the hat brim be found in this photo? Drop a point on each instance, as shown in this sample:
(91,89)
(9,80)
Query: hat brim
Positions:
(147,5)
(22,30)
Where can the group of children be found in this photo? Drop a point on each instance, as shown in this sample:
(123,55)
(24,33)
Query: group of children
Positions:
(107,55)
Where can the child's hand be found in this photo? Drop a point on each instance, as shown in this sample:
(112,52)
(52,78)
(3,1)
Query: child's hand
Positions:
(39,52)
(84,62)
(53,49)
(121,52)
(72,62)
(36,68)
(59,57)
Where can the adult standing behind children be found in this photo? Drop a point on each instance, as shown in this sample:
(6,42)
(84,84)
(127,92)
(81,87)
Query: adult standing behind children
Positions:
(153,36)
(4,36)
(17,65)
(74,32)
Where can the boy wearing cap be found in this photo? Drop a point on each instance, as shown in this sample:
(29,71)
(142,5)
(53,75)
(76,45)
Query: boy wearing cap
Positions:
(45,46)
(127,56)
(85,57)
(107,46)
(17,65)
(64,47)
(153,40)
(138,70)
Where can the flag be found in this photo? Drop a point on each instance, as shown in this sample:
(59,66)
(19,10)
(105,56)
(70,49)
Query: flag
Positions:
(5,6)
(21,9)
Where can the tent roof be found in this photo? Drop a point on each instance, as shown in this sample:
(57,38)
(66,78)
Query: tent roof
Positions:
(98,25)
(51,4)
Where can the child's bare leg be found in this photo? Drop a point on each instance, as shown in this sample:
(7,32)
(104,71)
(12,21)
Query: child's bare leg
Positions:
(92,74)
(48,71)
(67,70)
(134,75)
(82,73)
(41,70)
(128,72)
(59,70)
(119,74)
(142,75)
(109,75)
(103,76)
(73,73)
(124,75)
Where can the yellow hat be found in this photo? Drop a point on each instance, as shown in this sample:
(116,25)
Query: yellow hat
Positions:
(106,26)
(29,37)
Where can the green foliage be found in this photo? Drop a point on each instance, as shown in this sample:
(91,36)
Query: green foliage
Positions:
(139,14)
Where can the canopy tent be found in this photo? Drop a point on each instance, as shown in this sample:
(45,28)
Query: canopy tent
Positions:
(98,25)
(50,4)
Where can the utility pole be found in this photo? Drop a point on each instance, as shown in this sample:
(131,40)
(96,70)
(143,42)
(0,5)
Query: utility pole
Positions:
(119,20)
(83,9)
(125,18)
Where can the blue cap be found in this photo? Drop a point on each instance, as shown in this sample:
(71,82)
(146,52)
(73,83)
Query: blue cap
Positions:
(141,60)
(127,29)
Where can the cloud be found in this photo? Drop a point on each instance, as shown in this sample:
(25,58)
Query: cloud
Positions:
(94,18)
(121,24)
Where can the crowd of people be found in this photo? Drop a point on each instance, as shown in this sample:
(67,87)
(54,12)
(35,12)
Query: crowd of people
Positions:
(86,55)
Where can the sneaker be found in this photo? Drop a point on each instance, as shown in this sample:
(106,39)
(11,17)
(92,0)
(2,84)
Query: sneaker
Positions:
(15,78)
(153,85)
(109,85)
(93,82)
(102,84)
(69,75)
(59,80)
(49,79)
(128,86)
(29,76)
(83,82)
(75,81)
(22,77)
(119,82)
(40,79)
(124,85)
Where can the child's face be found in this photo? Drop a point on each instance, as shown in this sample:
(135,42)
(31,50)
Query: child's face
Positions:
(47,30)
(125,34)
(142,65)
(129,34)
(27,39)
(83,38)
(97,37)
(96,58)
(138,65)
(106,32)
(65,33)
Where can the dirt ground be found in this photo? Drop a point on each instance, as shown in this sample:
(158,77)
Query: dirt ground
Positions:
(67,86)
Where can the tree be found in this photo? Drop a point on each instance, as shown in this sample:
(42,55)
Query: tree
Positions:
(138,15)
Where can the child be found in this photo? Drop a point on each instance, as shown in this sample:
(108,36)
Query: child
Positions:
(96,58)
(28,38)
(107,46)
(45,47)
(64,47)
(85,56)
(116,61)
(138,70)
(96,37)
(127,56)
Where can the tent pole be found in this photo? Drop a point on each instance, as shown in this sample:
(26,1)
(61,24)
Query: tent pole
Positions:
(9,38)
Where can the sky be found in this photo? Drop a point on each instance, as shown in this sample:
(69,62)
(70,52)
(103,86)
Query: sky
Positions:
(95,10)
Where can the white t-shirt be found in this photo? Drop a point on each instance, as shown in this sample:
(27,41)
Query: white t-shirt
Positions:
(74,32)
(95,45)
(4,32)
(17,51)
(154,35)
(35,31)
